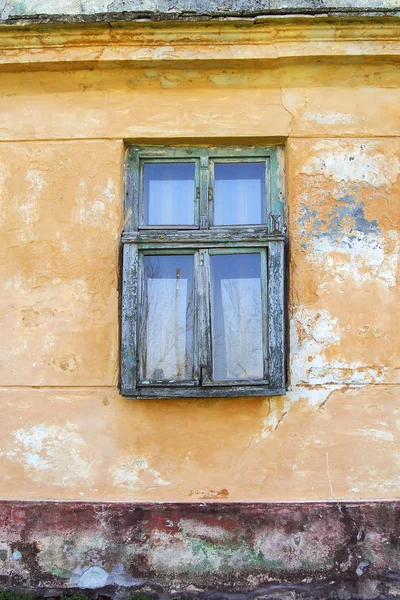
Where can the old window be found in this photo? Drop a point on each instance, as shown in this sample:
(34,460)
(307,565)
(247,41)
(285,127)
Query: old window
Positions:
(203,272)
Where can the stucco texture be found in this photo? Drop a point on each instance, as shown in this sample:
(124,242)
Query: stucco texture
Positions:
(65,432)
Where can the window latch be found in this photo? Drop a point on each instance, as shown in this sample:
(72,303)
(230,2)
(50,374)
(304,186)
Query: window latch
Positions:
(276,224)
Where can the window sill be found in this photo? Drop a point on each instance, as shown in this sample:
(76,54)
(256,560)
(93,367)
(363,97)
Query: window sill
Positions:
(205,392)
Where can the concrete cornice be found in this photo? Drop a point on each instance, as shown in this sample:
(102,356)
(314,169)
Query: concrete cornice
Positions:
(143,42)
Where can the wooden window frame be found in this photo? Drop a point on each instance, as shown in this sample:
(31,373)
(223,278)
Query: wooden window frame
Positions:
(201,239)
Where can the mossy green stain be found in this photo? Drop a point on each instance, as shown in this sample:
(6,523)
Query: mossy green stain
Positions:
(228,553)
(63,573)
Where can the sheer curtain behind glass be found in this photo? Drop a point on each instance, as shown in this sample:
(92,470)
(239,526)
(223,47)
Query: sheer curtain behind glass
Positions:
(236,316)
(169,193)
(167,351)
(239,192)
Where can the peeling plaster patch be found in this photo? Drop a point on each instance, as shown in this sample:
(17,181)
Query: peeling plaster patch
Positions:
(51,454)
(385,485)
(63,244)
(343,224)
(120,577)
(319,326)
(169,552)
(61,549)
(191,528)
(329,118)
(4,175)
(15,282)
(137,475)
(48,342)
(292,552)
(359,163)
(81,202)
(311,334)
(315,396)
(167,80)
(94,209)
(366,258)
(376,434)
(68,363)
(342,241)
(273,419)
(79,289)
(222,494)
(29,208)
(17,351)
(93,578)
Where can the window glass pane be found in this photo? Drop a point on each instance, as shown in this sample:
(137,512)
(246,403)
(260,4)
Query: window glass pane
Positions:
(167,319)
(169,193)
(239,193)
(236,316)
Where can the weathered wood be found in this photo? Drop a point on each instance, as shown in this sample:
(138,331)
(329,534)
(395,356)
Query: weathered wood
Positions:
(242,391)
(264,304)
(226,235)
(267,239)
(276,314)
(277,182)
(131,190)
(129,318)
(228,152)
(204,317)
(204,158)
(204,187)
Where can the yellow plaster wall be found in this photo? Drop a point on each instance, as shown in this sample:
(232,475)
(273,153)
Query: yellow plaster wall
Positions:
(64,430)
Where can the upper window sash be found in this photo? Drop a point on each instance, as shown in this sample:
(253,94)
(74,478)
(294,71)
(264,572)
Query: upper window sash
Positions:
(169,188)
(206,160)
(234,199)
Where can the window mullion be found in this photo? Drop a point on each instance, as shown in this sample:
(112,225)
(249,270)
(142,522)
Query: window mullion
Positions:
(203,316)
(204,183)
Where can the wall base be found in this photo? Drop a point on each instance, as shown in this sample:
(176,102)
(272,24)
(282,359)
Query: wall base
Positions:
(218,550)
